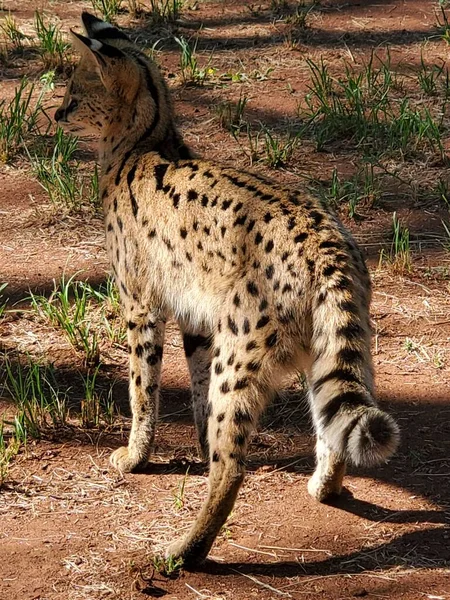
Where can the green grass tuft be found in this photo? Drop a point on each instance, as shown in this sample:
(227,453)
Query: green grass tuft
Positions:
(52,45)
(19,120)
(109,9)
(67,309)
(191,72)
(33,389)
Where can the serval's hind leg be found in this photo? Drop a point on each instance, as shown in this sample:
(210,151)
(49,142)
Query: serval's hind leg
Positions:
(197,349)
(238,393)
(328,476)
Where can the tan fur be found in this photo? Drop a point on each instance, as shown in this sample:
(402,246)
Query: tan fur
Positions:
(263,280)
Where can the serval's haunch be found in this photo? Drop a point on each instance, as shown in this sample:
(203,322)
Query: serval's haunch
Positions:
(262,279)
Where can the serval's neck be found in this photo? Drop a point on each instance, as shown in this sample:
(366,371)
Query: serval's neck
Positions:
(122,138)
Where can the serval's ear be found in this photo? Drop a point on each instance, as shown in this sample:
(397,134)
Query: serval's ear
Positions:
(119,73)
(101,30)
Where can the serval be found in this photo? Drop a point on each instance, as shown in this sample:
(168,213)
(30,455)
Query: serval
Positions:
(262,279)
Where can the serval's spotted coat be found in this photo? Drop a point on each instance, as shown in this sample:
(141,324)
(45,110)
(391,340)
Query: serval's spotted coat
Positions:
(261,278)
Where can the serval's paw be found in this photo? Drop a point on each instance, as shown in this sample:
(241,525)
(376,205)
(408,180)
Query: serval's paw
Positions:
(323,489)
(190,553)
(125,461)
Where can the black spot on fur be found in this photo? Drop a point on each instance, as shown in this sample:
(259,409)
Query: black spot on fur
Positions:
(269,246)
(232,326)
(270,270)
(240,439)
(168,243)
(328,271)
(240,220)
(251,346)
(236,300)
(253,366)
(152,359)
(130,178)
(252,288)
(151,389)
(330,244)
(241,384)
(237,182)
(242,417)
(317,217)
(262,322)
(301,237)
(159,173)
(183,233)
(246,327)
(225,387)
(272,339)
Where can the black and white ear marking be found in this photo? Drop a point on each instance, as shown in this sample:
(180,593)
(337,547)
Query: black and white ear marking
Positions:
(101,30)
(99,49)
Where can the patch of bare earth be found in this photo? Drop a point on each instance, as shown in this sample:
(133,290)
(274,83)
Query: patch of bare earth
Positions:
(71,527)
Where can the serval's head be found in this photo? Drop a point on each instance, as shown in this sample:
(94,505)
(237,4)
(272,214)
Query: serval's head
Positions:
(114,83)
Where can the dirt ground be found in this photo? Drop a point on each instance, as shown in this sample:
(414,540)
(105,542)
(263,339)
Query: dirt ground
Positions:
(70,526)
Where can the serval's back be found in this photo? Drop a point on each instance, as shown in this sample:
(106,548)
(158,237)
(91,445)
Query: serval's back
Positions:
(262,279)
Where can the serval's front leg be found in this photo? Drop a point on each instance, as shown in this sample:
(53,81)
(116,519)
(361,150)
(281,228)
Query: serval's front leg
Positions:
(197,348)
(145,340)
